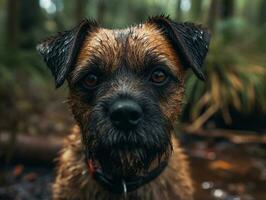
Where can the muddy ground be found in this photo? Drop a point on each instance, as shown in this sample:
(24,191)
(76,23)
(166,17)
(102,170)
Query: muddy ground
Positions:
(221,171)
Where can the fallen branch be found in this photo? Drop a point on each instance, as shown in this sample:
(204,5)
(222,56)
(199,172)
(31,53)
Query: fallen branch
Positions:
(235,136)
(34,149)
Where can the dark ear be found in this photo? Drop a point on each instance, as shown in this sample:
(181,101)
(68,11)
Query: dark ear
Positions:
(191,42)
(60,52)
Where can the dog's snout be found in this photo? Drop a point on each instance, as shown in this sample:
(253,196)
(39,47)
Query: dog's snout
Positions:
(125,113)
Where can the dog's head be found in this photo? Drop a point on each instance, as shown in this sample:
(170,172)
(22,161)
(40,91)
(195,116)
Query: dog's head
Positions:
(126,86)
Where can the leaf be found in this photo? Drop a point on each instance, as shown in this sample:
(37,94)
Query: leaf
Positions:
(220,165)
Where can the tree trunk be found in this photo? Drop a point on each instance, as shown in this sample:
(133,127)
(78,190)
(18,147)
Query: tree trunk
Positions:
(101,9)
(196,9)
(213,14)
(179,11)
(262,13)
(12,23)
(228,7)
(30,18)
(80,8)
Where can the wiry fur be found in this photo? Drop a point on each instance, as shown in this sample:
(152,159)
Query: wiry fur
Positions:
(125,60)
(74,182)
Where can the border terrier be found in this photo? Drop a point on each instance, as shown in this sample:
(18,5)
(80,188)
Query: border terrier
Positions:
(125,92)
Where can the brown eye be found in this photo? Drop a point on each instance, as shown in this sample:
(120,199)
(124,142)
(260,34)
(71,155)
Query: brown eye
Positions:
(91,80)
(158,76)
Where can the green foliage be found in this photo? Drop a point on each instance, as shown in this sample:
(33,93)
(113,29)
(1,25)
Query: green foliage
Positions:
(232,82)
(235,66)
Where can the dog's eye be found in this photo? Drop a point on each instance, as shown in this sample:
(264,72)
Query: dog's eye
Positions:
(158,76)
(91,80)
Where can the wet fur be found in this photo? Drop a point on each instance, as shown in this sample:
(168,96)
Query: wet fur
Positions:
(134,153)
(123,51)
(124,58)
(74,182)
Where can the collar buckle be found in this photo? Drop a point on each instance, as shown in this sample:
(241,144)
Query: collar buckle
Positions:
(124,188)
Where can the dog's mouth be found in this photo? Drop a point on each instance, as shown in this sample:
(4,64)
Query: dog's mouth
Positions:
(125,164)
(126,160)
(126,146)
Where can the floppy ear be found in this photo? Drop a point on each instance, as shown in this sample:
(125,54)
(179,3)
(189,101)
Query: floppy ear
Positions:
(190,41)
(60,52)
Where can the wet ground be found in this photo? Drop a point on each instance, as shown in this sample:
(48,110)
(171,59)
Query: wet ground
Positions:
(226,171)
(221,170)
(23,182)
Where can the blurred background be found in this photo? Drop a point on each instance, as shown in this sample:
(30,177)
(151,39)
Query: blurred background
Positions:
(223,123)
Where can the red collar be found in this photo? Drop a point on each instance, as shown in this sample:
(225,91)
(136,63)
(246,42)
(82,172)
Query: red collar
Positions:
(91,167)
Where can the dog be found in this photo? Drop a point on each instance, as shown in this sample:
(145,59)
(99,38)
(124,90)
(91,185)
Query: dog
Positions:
(125,92)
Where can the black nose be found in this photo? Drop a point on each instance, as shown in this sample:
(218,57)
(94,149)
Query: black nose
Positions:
(125,113)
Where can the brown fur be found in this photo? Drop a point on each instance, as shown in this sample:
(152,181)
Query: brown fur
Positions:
(73,180)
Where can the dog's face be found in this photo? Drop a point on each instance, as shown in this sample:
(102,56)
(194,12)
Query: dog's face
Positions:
(126,87)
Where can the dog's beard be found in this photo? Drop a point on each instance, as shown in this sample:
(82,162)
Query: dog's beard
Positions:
(128,163)
(127,154)
(125,158)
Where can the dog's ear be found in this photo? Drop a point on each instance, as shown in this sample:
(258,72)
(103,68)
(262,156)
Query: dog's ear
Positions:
(60,52)
(190,41)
